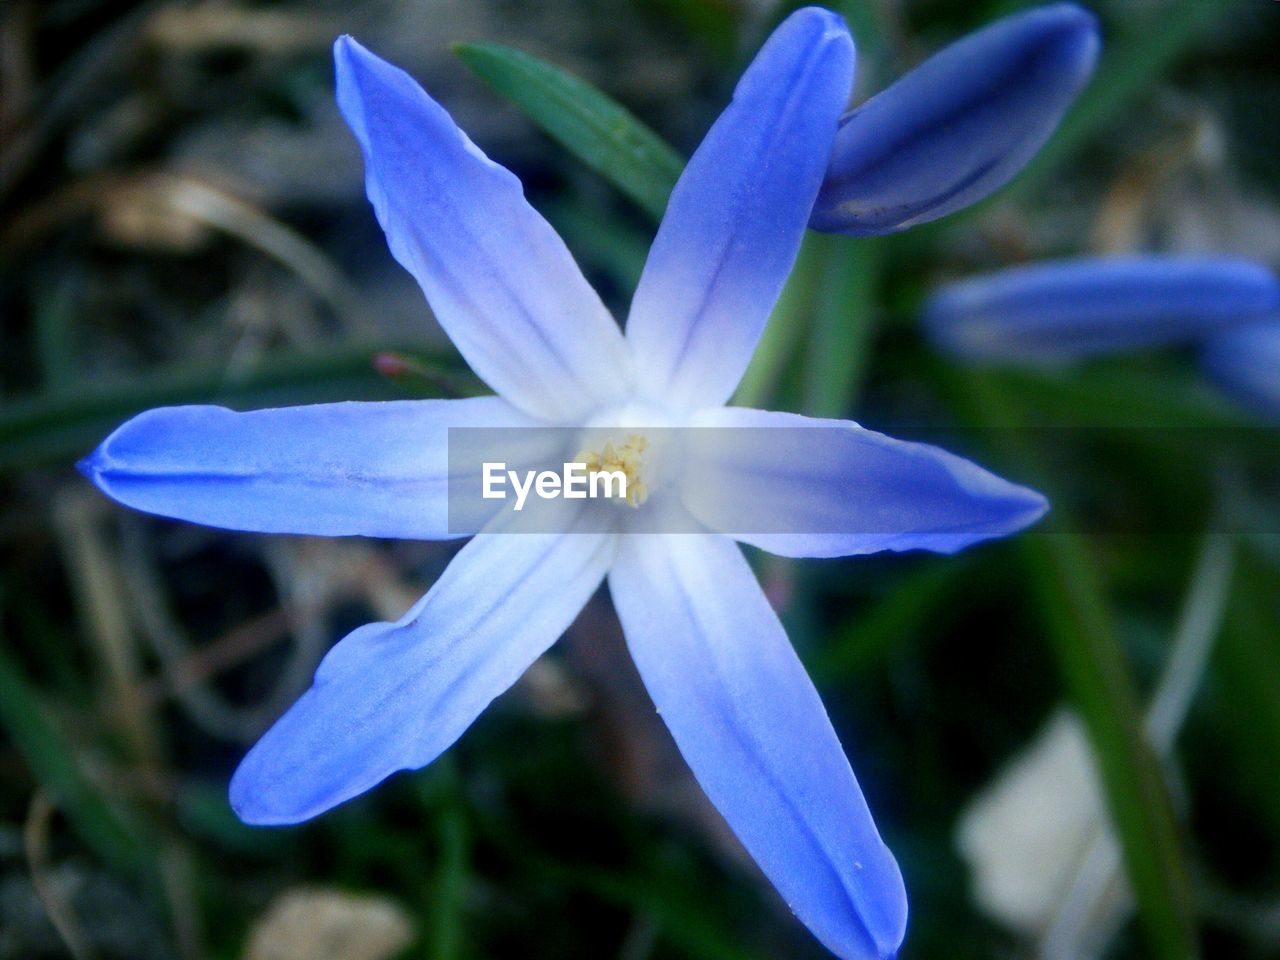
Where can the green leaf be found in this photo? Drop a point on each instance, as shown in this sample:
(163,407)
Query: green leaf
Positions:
(67,423)
(782,333)
(1081,629)
(1092,664)
(449,890)
(1246,668)
(52,760)
(843,323)
(591,125)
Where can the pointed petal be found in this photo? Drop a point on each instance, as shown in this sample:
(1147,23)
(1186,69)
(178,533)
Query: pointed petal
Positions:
(1246,363)
(334,469)
(1076,308)
(501,282)
(959,126)
(735,220)
(803,487)
(393,696)
(747,719)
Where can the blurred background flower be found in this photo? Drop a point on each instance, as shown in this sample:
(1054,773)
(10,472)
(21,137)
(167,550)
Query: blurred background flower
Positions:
(182,220)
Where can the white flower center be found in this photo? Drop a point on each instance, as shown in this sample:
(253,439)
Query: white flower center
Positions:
(629,442)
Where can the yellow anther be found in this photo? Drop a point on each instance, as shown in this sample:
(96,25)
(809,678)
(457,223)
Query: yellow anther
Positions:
(627,459)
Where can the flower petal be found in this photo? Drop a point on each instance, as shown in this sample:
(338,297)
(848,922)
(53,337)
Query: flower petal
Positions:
(749,723)
(737,215)
(1076,308)
(501,282)
(960,125)
(1246,363)
(803,487)
(334,469)
(393,696)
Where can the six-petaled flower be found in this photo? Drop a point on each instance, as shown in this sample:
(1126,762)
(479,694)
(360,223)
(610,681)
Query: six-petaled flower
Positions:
(709,647)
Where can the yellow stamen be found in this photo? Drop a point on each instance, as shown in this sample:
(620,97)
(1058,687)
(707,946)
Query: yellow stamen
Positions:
(627,459)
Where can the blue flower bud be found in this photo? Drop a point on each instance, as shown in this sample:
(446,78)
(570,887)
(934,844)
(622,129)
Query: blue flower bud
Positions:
(959,126)
(1246,364)
(1075,308)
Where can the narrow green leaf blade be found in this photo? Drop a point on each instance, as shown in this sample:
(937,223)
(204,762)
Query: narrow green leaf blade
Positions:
(448,906)
(1246,668)
(1093,667)
(843,324)
(53,763)
(781,336)
(1081,629)
(591,125)
(68,423)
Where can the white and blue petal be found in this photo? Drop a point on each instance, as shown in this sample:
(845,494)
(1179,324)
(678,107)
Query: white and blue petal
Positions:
(960,125)
(804,487)
(336,469)
(737,215)
(748,721)
(1076,308)
(1246,364)
(500,280)
(393,696)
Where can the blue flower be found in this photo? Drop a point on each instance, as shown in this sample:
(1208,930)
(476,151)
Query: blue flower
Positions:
(1246,363)
(393,696)
(1069,309)
(959,126)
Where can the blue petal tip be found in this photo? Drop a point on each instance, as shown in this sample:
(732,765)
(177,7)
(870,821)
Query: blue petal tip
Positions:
(251,802)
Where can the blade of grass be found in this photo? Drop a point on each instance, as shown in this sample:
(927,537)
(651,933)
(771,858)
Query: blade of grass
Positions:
(782,332)
(843,324)
(1087,647)
(1198,627)
(1246,669)
(589,124)
(1193,641)
(65,424)
(54,313)
(52,760)
(1090,658)
(440,791)
(449,888)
